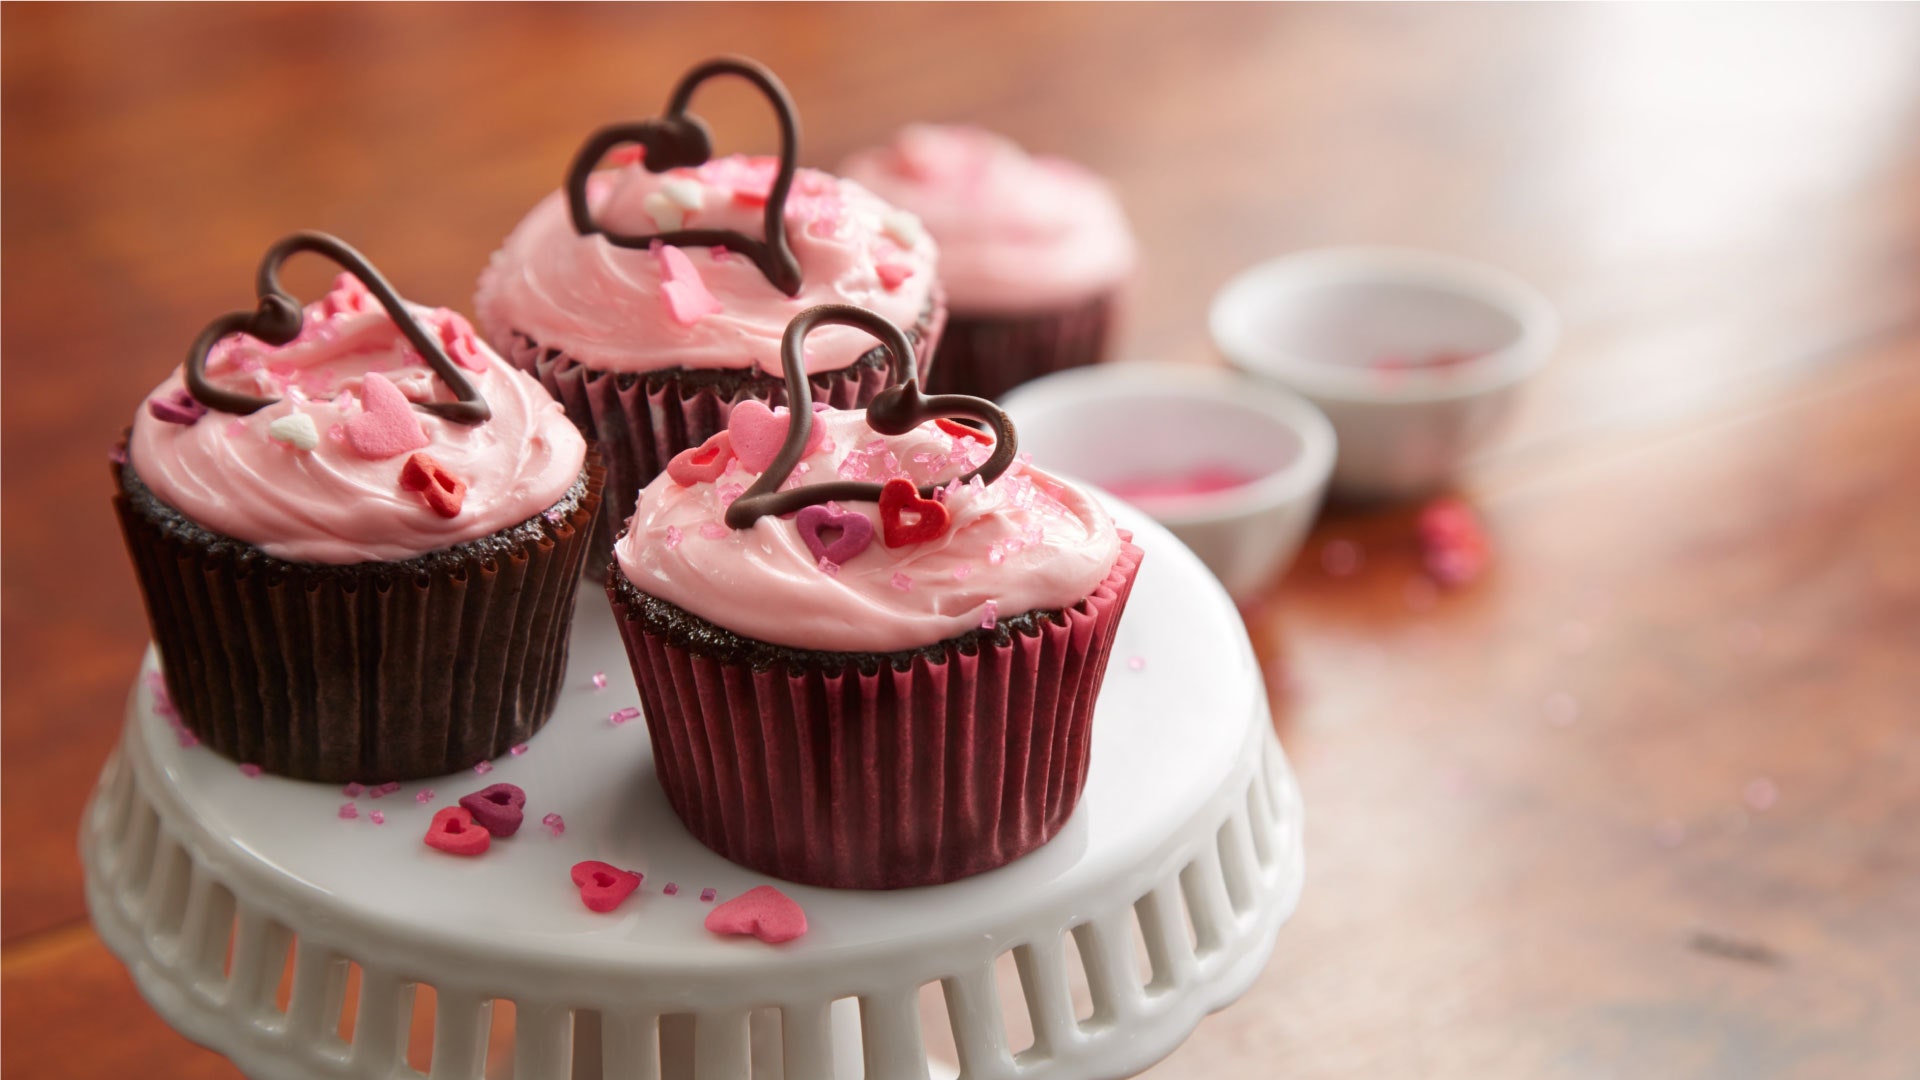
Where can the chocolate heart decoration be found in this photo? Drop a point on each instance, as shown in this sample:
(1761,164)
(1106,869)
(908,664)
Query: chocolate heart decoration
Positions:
(680,139)
(278,320)
(894,411)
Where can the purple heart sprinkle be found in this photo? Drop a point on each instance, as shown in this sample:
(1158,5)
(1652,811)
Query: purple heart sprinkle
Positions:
(180,407)
(855,533)
(497,809)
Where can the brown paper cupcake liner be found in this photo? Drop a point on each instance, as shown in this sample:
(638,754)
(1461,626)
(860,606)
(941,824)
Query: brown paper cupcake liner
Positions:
(988,355)
(888,770)
(370,672)
(641,420)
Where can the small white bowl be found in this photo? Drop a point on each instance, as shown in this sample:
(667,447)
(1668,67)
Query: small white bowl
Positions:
(1116,425)
(1320,321)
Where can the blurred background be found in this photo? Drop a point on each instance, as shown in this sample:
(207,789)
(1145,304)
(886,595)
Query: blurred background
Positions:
(1639,799)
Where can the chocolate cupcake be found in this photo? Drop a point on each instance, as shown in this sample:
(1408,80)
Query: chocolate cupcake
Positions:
(358,531)
(1034,252)
(649,297)
(868,643)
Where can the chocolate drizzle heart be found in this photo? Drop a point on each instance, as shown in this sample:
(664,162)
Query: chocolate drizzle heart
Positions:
(681,139)
(894,411)
(279,318)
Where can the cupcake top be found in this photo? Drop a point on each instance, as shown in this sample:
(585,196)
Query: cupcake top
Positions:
(705,307)
(1016,233)
(819,579)
(342,467)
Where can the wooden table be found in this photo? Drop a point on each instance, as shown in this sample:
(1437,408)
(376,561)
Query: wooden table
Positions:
(1644,801)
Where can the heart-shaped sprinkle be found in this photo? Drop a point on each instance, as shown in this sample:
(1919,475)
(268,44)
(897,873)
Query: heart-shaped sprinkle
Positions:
(905,517)
(456,336)
(853,532)
(687,194)
(703,463)
(757,432)
(891,274)
(386,425)
(667,215)
(454,831)
(296,430)
(179,407)
(498,809)
(763,912)
(445,493)
(688,300)
(603,886)
(349,296)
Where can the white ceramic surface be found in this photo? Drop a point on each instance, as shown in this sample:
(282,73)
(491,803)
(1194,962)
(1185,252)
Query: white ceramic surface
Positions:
(1110,423)
(1189,829)
(1318,320)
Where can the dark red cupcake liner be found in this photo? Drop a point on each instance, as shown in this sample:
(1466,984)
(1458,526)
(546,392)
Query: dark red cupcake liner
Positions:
(368,672)
(881,775)
(988,355)
(641,420)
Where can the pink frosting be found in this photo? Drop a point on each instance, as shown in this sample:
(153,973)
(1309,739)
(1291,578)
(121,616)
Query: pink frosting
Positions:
(1026,542)
(1016,233)
(625,309)
(331,504)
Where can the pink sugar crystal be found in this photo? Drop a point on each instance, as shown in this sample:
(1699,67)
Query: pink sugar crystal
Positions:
(354,790)
(621,716)
(555,824)
(713,530)
(707,895)
(249,770)
(599,680)
(483,768)
(960,572)
(669,889)
(727,493)
(377,818)
(1137,663)
(423,796)
(348,811)
(518,750)
(829,568)
(989,615)
(995,556)
(672,541)
(902,582)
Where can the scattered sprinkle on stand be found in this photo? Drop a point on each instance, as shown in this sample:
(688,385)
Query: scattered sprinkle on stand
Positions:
(599,680)
(483,768)
(423,796)
(1137,663)
(377,818)
(555,824)
(250,771)
(518,750)
(621,716)
(353,790)
(670,889)
(348,811)
(707,895)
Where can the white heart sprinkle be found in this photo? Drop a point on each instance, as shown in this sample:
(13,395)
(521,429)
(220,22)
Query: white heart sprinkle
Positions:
(905,229)
(686,194)
(664,211)
(296,430)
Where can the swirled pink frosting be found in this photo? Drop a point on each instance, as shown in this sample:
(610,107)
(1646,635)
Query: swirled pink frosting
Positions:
(1016,233)
(618,309)
(1026,542)
(330,504)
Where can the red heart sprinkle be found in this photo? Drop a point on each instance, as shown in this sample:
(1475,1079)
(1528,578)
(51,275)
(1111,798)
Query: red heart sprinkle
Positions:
(498,809)
(701,463)
(454,831)
(905,517)
(763,912)
(603,886)
(961,431)
(445,492)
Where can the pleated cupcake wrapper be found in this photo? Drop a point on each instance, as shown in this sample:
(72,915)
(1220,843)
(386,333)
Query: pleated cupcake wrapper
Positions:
(898,778)
(329,675)
(989,355)
(641,422)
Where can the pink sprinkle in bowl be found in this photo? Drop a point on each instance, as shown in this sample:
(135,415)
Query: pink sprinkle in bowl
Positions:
(1144,427)
(1414,356)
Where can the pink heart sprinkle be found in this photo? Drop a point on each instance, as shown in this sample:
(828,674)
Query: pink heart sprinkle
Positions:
(756,433)
(688,300)
(892,274)
(386,427)
(179,407)
(855,533)
(763,912)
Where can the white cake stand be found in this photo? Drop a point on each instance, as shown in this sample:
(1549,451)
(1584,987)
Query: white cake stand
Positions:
(242,903)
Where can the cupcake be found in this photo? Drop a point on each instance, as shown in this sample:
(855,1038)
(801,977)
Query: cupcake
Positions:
(1034,252)
(868,642)
(359,533)
(650,296)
